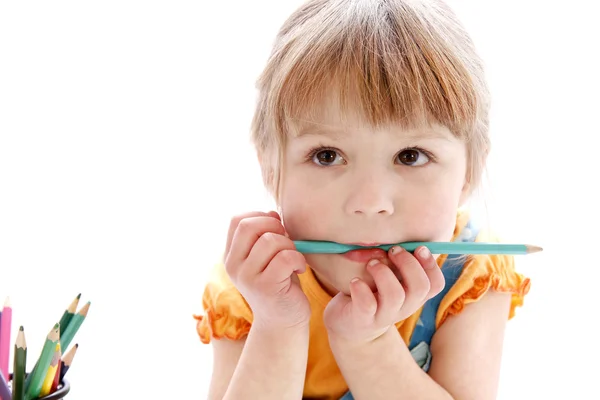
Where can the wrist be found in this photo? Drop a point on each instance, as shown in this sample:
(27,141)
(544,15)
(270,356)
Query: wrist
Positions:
(340,339)
(276,333)
(337,341)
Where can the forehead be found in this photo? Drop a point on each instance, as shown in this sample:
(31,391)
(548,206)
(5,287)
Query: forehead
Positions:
(332,119)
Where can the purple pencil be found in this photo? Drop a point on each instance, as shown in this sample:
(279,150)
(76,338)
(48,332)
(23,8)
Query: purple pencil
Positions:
(4,390)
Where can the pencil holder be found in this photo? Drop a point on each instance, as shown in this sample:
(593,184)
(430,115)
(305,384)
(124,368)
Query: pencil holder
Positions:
(60,393)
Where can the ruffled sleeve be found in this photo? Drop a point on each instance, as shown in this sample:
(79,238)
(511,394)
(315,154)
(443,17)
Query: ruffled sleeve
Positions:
(480,274)
(226,313)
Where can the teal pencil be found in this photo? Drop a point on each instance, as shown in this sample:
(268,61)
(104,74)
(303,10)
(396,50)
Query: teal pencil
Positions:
(74,326)
(323,247)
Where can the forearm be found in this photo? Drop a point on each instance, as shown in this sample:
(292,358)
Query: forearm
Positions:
(384,369)
(272,365)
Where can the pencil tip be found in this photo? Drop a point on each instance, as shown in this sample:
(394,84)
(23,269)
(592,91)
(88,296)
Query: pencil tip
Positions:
(7,301)
(21,328)
(533,249)
(78,296)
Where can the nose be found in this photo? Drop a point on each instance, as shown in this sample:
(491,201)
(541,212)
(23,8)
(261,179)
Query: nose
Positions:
(370,195)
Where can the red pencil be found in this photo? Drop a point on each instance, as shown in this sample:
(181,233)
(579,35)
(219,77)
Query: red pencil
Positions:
(56,380)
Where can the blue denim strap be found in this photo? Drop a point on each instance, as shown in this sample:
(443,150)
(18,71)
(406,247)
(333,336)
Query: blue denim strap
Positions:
(452,268)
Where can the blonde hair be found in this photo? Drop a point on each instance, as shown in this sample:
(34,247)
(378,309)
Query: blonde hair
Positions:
(398,61)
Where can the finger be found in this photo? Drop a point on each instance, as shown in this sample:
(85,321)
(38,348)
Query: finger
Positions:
(265,249)
(248,231)
(390,293)
(284,265)
(364,303)
(235,221)
(432,270)
(414,279)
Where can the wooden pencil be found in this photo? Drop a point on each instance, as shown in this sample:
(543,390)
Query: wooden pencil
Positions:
(35,379)
(56,380)
(4,389)
(47,383)
(19,366)
(67,361)
(74,326)
(68,314)
(5,326)
(324,247)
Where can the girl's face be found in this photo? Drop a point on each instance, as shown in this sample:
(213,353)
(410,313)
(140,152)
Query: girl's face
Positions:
(347,182)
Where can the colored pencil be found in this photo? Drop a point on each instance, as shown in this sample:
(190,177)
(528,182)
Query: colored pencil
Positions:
(74,325)
(19,366)
(5,326)
(323,247)
(47,384)
(56,380)
(68,314)
(4,389)
(67,361)
(33,383)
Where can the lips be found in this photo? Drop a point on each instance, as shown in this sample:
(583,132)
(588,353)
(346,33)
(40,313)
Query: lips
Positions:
(365,255)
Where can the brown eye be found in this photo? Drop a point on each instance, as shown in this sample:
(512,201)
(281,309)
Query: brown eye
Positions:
(412,157)
(326,157)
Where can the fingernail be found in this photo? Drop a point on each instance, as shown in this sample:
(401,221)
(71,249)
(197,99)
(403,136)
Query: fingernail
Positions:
(373,262)
(396,249)
(354,280)
(424,252)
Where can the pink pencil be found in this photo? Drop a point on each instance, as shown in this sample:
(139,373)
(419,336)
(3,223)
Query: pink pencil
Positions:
(5,337)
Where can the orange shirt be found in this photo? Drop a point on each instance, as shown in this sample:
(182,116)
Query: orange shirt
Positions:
(227,315)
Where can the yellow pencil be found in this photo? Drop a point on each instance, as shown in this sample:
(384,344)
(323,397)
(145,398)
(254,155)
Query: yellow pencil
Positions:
(47,385)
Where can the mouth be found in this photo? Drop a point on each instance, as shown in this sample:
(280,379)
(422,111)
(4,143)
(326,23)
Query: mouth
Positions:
(365,255)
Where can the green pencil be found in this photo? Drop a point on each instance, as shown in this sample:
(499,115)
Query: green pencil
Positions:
(323,247)
(19,365)
(68,314)
(34,381)
(74,325)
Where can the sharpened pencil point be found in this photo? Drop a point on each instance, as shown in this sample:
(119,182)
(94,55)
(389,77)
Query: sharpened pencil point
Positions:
(533,249)
(20,342)
(84,310)
(78,296)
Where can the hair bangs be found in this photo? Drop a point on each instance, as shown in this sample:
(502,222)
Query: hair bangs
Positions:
(377,63)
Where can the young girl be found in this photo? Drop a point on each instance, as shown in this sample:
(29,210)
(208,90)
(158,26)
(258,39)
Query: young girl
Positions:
(371,127)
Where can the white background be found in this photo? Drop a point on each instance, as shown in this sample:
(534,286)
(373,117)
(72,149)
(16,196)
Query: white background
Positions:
(124,151)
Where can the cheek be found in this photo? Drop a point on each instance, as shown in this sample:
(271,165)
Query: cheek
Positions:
(305,213)
(433,210)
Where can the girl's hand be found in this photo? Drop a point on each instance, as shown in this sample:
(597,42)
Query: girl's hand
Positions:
(262,262)
(364,316)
